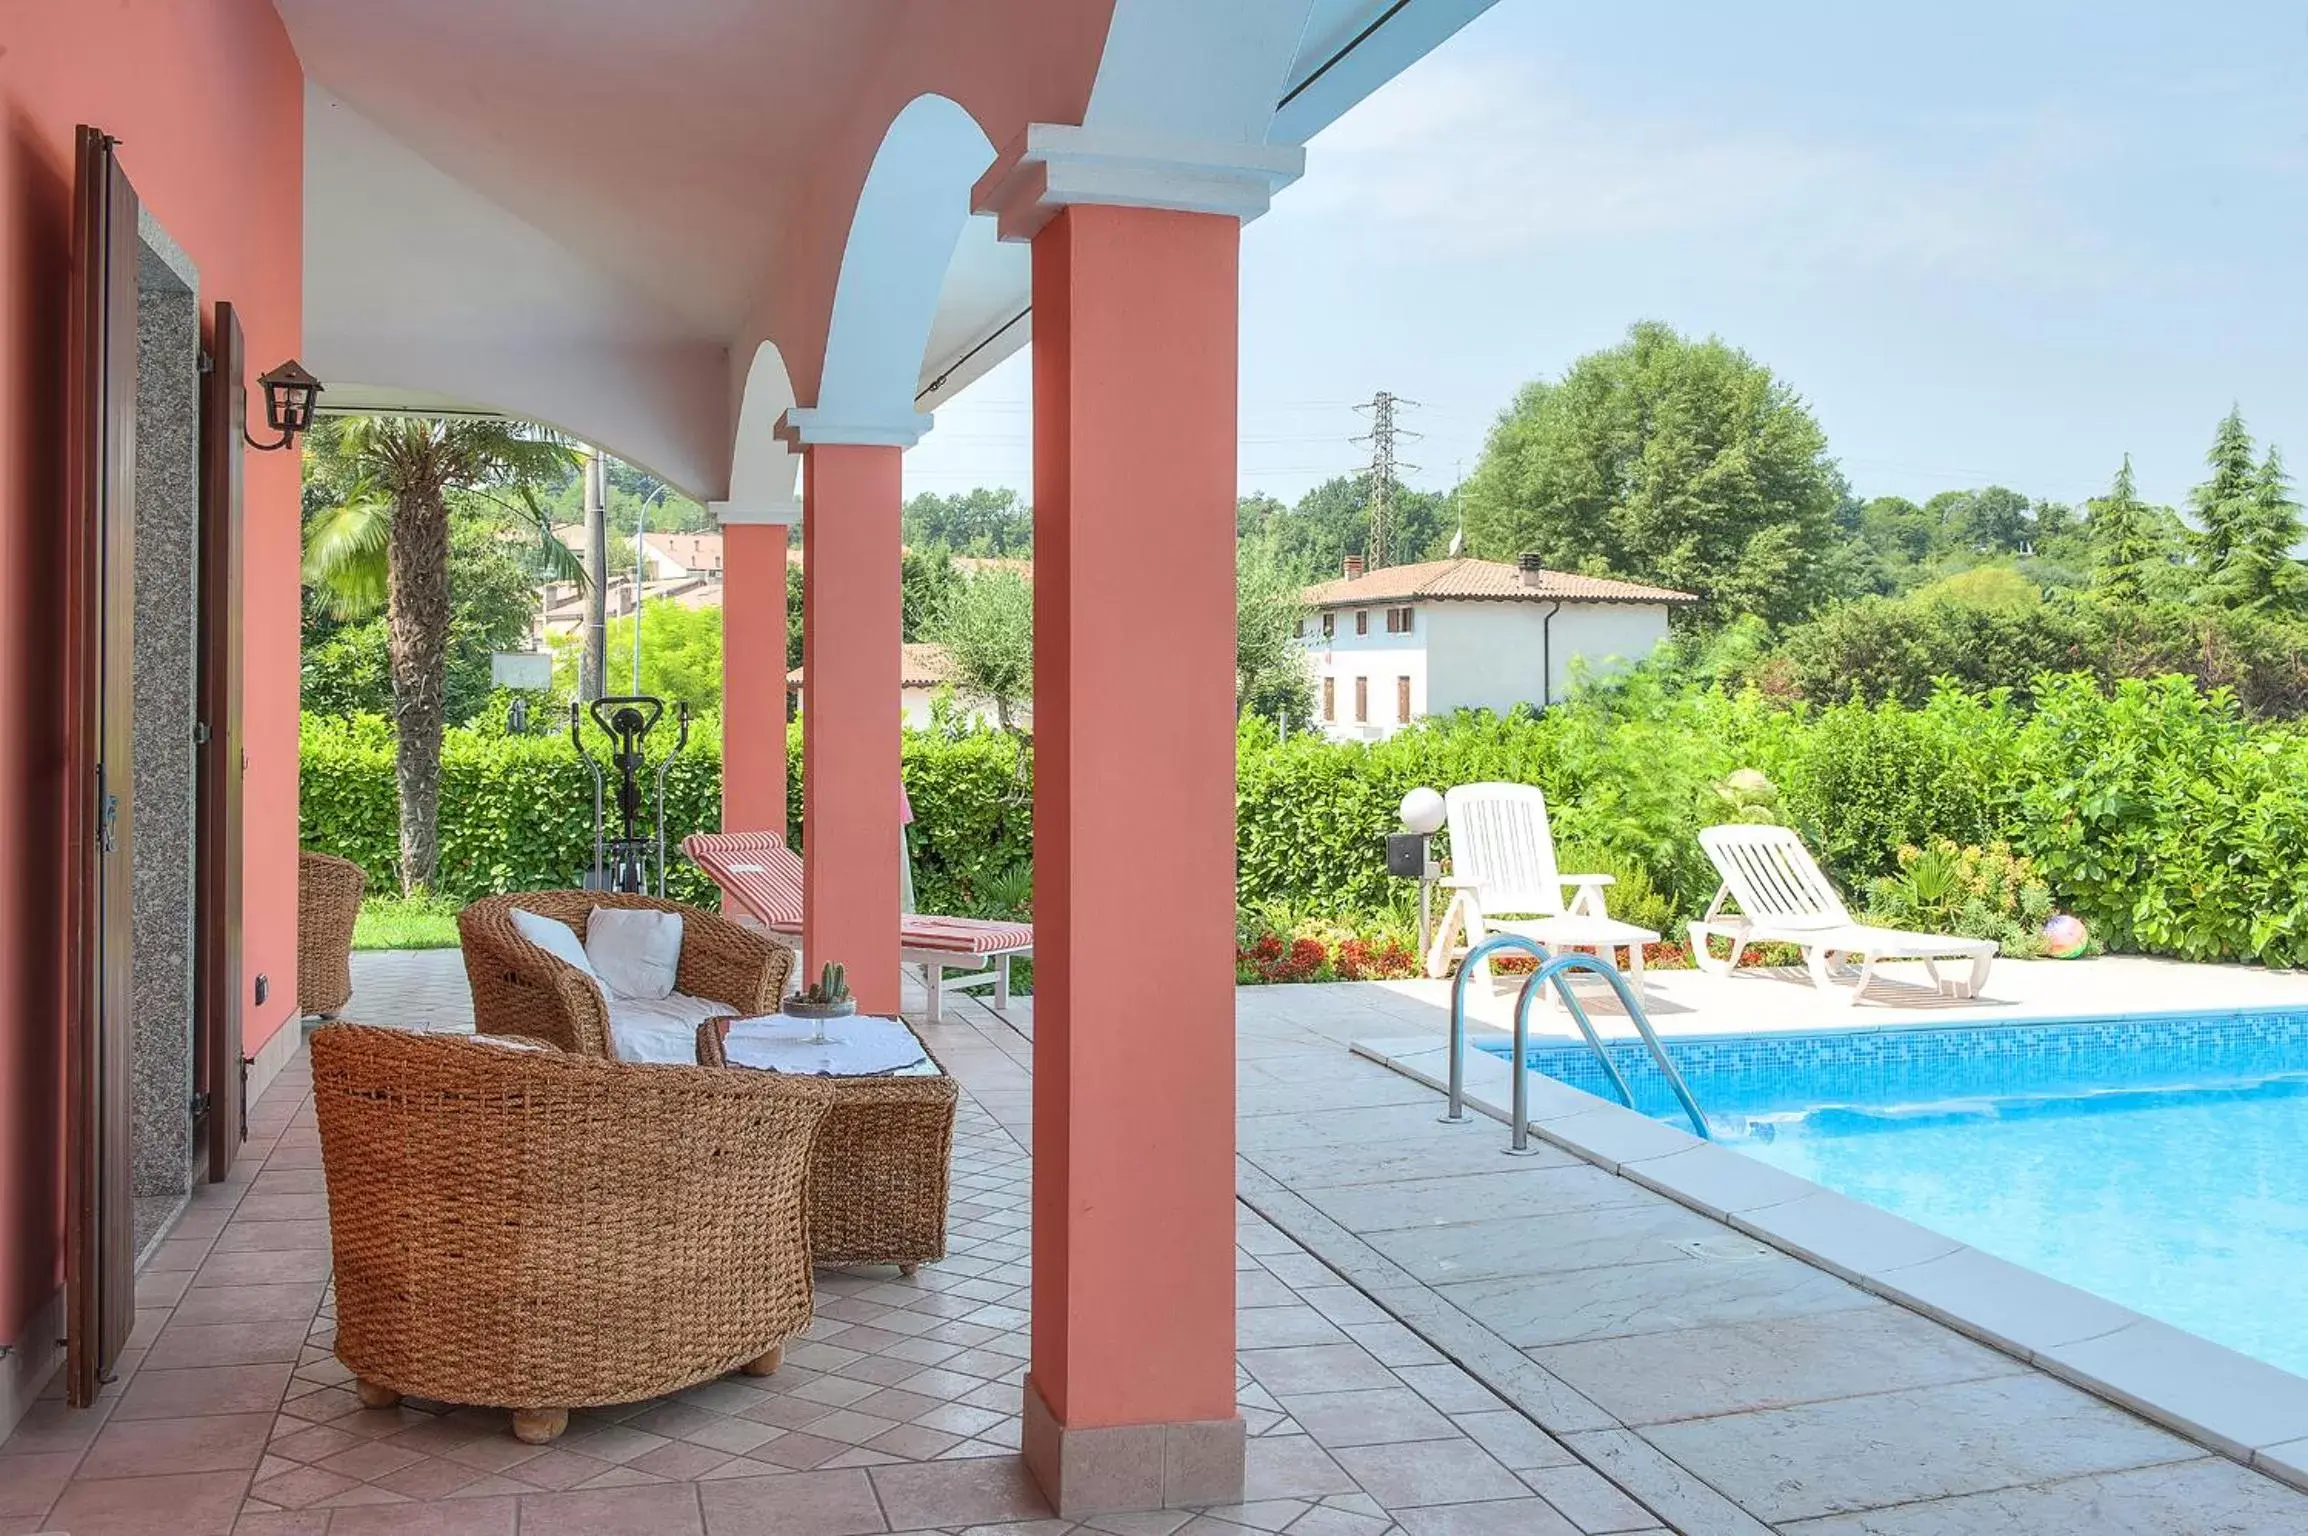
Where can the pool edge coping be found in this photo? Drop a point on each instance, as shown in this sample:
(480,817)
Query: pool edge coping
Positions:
(2245,1409)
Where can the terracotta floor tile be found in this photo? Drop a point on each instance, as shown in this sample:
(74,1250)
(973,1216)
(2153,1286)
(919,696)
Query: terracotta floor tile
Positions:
(431,1477)
(48,1426)
(210,1443)
(265,1266)
(555,1469)
(456,1517)
(371,1459)
(283,1523)
(198,1504)
(304,1486)
(801,1504)
(186,1345)
(272,1237)
(248,1303)
(958,1493)
(666,1509)
(29,1483)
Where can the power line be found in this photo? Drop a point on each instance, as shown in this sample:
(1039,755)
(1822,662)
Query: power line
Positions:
(1382,437)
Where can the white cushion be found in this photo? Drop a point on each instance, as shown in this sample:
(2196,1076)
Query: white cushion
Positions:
(636,952)
(661,1029)
(554,937)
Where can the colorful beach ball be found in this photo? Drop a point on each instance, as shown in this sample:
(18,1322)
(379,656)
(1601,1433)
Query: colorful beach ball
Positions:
(2065,938)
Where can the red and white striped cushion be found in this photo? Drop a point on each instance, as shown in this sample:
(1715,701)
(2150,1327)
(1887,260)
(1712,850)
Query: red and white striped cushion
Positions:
(758,872)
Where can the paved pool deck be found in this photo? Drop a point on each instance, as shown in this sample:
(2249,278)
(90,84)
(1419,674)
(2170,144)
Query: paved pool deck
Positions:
(1434,1339)
(1770,1000)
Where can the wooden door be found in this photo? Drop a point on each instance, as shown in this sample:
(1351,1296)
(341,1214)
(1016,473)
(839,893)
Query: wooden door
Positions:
(217,830)
(99,599)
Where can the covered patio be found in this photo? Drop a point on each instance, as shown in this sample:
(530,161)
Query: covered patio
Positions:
(1603,1360)
(829,219)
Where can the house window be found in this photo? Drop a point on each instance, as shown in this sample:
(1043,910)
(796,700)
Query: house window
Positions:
(1362,701)
(1329,625)
(1330,698)
(1362,621)
(1398,621)
(1298,628)
(1402,700)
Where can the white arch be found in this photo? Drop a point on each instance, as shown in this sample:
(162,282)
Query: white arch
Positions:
(910,214)
(762,468)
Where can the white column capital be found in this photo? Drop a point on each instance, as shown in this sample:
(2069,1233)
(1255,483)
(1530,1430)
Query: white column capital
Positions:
(755,514)
(1052,166)
(801,427)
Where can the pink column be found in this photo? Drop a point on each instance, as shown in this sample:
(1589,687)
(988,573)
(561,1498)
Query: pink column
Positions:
(1130,1394)
(753,677)
(849,719)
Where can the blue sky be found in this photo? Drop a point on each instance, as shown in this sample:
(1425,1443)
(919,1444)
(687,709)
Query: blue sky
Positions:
(1988,243)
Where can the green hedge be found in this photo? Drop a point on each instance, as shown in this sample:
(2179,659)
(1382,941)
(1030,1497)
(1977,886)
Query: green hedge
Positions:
(2162,815)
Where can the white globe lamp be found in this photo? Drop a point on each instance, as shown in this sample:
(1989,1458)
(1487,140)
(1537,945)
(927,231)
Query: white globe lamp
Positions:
(1423,812)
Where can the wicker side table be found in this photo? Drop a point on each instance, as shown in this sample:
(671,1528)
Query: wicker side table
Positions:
(881,1166)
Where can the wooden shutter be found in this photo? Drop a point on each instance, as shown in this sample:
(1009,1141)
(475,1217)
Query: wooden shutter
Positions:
(1362,700)
(1402,700)
(98,603)
(1362,621)
(217,829)
(1330,698)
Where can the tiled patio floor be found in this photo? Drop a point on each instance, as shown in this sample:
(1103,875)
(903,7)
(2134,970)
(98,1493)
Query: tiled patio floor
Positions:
(898,1412)
(1433,1340)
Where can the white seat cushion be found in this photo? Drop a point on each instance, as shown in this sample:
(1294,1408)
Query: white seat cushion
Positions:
(662,1029)
(554,937)
(635,951)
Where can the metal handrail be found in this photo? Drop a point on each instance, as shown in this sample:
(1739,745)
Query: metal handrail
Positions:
(1553,969)
(1458,1071)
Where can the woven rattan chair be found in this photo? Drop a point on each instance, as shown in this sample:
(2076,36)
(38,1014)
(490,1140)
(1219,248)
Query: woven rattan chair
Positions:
(328,904)
(518,989)
(882,1168)
(532,1230)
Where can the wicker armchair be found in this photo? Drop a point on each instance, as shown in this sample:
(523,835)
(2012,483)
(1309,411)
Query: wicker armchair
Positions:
(539,1231)
(328,903)
(518,989)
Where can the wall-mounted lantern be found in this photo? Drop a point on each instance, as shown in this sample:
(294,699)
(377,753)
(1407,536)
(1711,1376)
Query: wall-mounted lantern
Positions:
(290,395)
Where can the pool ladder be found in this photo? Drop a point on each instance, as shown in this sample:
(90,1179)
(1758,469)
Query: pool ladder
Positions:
(1556,969)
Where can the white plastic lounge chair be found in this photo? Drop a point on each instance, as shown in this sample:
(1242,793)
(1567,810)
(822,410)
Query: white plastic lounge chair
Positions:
(1784,898)
(758,873)
(1503,879)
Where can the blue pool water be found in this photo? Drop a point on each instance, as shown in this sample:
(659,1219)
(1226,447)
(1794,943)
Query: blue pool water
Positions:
(2160,1161)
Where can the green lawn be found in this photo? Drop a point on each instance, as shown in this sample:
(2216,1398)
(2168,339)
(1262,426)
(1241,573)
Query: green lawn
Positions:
(392,922)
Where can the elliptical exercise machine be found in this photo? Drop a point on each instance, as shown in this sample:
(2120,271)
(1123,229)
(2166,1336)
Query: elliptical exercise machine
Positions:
(633,861)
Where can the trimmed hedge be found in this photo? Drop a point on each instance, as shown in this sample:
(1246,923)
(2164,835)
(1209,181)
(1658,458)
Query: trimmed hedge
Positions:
(2164,816)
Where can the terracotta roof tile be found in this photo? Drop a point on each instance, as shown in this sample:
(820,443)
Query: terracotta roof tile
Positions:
(1481,581)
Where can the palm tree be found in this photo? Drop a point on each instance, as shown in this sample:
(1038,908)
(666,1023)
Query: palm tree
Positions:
(387,487)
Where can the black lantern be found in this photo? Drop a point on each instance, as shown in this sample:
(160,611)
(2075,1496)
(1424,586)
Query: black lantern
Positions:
(290,394)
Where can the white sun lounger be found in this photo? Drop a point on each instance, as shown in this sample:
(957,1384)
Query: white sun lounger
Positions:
(1504,879)
(1784,898)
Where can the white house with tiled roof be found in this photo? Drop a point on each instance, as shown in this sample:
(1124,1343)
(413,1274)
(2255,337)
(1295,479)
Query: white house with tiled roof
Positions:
(1393,645)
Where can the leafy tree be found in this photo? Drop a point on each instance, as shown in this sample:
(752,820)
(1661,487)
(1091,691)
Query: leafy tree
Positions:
(1667,460)
(925,576)
(1270,672)
(984,521)
(2132,544)
(1989,521)
(386,488)
(2223,504)
(985,622)
(1253,512)
(681,655)
(1332,521)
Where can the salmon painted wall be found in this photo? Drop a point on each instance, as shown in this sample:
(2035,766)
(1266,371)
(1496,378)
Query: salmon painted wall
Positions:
(207,99)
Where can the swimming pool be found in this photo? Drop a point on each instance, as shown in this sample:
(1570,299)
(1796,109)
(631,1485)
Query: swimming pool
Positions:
(2160,1161)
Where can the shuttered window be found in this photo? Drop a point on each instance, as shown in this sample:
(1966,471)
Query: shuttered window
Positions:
(1362,621)
(1330,698)
(1398,621)
(1362,701)
(1402,700)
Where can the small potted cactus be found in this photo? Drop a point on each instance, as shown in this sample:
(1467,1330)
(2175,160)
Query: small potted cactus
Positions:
(826,998)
